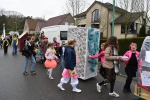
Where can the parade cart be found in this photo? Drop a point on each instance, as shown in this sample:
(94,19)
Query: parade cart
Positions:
(142,88)
(87,43)
(22,39)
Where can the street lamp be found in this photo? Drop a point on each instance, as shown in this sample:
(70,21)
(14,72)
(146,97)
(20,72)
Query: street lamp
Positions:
(4,29)
(16,26)
(113,16)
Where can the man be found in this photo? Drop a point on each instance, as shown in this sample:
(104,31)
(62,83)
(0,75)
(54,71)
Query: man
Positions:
(29,56)
(61,52)
(56,46)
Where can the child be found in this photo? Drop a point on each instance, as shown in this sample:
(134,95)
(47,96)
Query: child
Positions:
(131,66)
(101,56)
(51,58)
(70,64)
(14,44)
(5,45)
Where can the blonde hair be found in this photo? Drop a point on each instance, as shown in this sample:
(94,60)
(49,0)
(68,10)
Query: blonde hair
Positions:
(71,41)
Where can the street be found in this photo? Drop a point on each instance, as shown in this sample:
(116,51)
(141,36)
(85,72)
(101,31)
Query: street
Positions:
(15,86)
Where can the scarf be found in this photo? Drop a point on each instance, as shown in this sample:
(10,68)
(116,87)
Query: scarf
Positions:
(116,62)
(52,50)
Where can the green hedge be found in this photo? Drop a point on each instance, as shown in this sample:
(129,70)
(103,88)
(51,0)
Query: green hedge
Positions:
(124,43)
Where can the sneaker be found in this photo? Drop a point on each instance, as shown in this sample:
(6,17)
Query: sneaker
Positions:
(114,94)
(51,77)
(60,87)
(105,84)
(129,91)
(33,72)
(125,90)
(98,87)
(76,90)
(25,73)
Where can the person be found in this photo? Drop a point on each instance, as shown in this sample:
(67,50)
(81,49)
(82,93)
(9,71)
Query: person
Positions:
(101,56)
(70,64)
(41,38)
(33,44)
(44,47)
(51,59)
(56,46)
(109,65)
(5,45)
(61,51)
(8,38)
(30,57)
(1,42)
(14,44)
(131,66)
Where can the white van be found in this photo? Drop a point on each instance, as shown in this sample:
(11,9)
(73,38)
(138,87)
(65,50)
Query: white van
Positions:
(58,31)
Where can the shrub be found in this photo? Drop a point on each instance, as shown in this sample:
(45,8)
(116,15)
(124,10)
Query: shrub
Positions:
(142,32)
(124,44)
(20,31)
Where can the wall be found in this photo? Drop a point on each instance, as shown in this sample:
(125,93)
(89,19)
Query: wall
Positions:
(26,28)
(82,22)
(31,32)
(37,30)
(118,34)
(68,19)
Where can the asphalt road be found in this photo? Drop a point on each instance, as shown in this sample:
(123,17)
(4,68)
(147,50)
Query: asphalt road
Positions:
(15,86)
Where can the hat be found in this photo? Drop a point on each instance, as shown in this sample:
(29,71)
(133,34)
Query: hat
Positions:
(45,37)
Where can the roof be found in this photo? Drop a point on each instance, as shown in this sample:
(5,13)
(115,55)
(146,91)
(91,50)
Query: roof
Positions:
(109,6)
(32,23)
(132,17)
(81,14)
(53,21)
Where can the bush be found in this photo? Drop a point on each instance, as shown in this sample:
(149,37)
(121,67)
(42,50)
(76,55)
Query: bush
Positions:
(8,30)
(20,32)
(124,44)
(142,32)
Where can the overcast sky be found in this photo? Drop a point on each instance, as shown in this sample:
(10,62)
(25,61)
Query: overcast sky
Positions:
(37,8)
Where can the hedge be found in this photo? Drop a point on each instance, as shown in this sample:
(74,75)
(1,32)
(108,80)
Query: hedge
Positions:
(124,44)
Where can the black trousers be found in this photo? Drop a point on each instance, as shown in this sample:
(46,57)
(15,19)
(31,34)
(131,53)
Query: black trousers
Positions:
(111,78)
(5,49)
(131,72)
(102,72)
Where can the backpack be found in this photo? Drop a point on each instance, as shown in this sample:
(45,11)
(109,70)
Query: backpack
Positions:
(26,52)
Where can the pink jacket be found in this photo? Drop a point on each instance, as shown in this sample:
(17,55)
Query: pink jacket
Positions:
(100,55)
(129,54)
(50,55)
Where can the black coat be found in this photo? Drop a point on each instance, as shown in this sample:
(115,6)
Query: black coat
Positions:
(60,50)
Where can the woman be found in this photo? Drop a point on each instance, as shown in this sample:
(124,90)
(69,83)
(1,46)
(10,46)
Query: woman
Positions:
(70,64)
(108,64)
(44,47)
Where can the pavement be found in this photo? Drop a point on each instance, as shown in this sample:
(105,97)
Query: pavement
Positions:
(15,86)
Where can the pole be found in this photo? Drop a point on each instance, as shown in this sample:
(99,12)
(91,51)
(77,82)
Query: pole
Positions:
(4,30)
(113,16)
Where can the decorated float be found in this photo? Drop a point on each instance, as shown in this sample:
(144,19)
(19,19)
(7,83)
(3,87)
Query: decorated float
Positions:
(87,43)
(142,88)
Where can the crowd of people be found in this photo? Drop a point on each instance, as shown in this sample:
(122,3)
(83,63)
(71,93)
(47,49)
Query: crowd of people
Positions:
(65,55)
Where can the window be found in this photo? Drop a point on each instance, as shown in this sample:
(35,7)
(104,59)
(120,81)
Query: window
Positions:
(95,15)
(132,29)
(63,35)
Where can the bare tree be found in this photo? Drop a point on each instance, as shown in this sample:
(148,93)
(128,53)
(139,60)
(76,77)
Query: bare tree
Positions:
(128,6)
(75,7)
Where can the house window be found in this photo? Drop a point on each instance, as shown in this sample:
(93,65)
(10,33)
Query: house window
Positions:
(95,15)
(131,30)
(63,35)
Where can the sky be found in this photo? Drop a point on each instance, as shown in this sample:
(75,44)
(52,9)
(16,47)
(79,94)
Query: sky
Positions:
(37,8)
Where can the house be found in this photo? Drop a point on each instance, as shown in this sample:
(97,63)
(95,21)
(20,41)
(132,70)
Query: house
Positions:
(99,15)
(65,19)
(30,25)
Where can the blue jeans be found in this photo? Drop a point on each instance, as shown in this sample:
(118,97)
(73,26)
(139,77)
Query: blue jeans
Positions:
(14,49)
(62,62)
(26,63)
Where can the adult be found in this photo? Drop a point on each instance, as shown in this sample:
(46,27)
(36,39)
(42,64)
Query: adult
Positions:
(61,52)
(41,38)
(56,46)
(29,56)
(44,48)
(110,47)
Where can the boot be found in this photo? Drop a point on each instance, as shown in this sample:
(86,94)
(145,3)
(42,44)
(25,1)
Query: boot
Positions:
(50,74)
(60,86)
(75,89)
